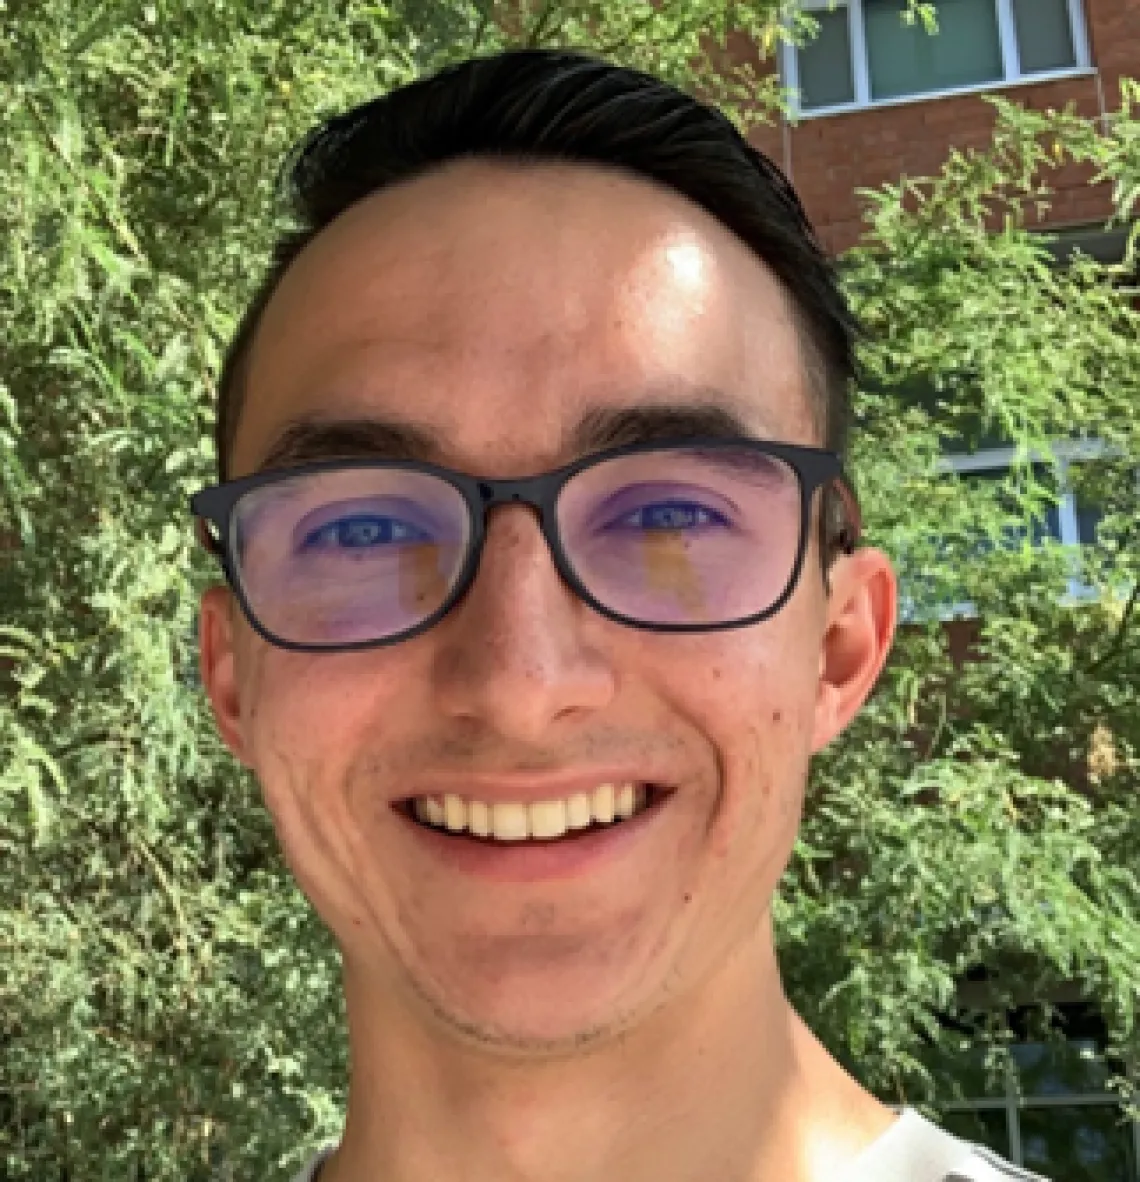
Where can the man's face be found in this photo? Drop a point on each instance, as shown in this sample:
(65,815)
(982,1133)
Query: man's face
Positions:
(495,308)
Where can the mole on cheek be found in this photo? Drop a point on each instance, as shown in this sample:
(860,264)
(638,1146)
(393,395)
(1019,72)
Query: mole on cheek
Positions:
(777,716)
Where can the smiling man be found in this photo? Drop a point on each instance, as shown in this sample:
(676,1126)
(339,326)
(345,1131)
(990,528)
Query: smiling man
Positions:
(543,589)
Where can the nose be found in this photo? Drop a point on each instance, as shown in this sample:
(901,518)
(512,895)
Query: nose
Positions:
(513,655)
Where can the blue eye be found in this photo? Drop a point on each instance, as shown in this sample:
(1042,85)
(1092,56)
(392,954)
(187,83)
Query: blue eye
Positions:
(363,531)
(671,515)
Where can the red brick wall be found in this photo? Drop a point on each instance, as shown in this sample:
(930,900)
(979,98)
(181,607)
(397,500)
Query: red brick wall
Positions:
(829,157)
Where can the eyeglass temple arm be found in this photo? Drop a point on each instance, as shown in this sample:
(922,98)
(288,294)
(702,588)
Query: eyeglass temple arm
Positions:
(846,524)
(206,538)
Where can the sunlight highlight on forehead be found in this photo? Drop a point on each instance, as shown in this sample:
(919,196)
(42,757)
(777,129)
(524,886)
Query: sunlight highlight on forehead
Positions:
(688,264)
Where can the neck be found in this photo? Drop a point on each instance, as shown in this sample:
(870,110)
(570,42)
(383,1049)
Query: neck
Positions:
(725,1082)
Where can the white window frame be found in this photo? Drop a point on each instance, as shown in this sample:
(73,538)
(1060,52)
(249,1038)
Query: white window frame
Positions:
(861,70)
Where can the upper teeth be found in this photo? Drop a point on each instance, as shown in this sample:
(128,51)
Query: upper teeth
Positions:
(514,821)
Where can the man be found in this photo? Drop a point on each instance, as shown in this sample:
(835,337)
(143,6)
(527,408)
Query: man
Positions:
(543,591)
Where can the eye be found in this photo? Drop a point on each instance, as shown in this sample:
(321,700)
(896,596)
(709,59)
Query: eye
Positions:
(672,514)
(362,531)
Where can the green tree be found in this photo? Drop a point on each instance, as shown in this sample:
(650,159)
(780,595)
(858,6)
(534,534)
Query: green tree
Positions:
(169,1003)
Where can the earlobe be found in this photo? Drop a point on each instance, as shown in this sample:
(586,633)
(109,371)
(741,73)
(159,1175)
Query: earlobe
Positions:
(216,662)
(861,617)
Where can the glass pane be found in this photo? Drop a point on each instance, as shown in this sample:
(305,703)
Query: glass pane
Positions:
(1044,35)
(1045,523)
(1057,1069)
(825,63)
(965,1072)
(1089,518)
(980,1126)
(1105,489)
(905,59)
(1091,1143)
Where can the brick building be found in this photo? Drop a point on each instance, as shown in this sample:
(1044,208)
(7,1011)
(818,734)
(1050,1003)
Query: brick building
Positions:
(863,119)
(876,100)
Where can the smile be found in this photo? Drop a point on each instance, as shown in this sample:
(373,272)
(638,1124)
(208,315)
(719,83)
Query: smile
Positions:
(540,820)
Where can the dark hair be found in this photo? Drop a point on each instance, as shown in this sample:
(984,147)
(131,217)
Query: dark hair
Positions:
(536,105)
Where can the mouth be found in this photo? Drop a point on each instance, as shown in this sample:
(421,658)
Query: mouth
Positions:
(543,822)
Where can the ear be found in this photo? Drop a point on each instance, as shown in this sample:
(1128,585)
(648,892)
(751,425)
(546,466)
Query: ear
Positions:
(216,662)
(861,615)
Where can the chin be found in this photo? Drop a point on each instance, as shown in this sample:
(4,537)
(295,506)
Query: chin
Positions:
(547,1036)
(541,1015)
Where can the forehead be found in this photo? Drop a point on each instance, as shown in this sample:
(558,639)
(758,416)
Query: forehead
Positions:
(495,308)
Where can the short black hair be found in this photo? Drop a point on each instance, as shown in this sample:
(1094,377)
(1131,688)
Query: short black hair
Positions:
(557,106)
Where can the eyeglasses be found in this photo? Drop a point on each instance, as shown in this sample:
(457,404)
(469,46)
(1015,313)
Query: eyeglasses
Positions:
(692,535)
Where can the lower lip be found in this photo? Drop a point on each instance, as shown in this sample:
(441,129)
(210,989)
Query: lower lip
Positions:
(538,861)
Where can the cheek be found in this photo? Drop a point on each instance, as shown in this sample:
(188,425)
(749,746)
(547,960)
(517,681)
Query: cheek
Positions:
(310,721)
(309,709)
(754,704)
(757,699)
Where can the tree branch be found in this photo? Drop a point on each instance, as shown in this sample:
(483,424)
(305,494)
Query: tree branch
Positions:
(639,26)
(1112,650)
(534,37)
(121,230)
(481,28)
(163,881)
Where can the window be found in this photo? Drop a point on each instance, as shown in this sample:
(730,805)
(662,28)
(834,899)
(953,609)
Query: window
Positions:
(1055,1116)
(1051,1109)
(1051,523)
(1063,518)
(1070,520)
(865,53)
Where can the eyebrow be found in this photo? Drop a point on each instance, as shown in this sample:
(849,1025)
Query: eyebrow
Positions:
(601,429)
(309,440)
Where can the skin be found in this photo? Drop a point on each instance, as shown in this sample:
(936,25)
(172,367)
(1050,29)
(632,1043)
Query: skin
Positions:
(629,1023)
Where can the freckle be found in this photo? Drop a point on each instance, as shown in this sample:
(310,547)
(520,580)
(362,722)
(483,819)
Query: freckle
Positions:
(688,898)
(777,716)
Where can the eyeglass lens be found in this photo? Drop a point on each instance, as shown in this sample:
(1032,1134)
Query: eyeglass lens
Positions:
(670,537)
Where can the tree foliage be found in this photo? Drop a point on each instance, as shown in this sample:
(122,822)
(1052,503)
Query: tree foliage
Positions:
(170,1008)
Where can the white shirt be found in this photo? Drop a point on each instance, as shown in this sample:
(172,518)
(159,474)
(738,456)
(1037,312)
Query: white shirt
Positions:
(911,1150)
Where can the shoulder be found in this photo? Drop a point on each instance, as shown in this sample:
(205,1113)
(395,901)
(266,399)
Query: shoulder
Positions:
(985,1166)
(916,1150)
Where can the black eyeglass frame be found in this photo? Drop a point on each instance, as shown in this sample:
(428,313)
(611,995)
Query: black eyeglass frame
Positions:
(814,468)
